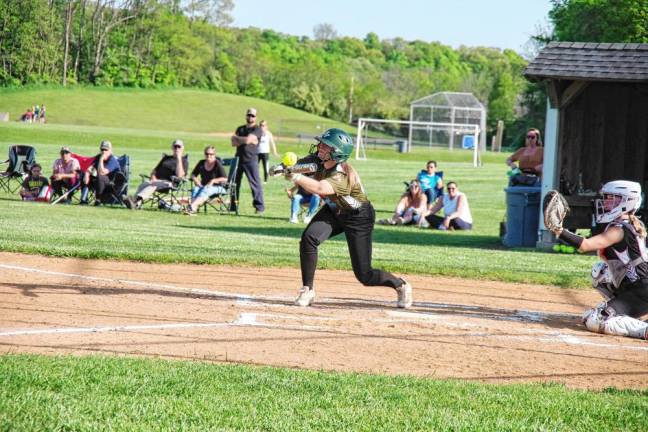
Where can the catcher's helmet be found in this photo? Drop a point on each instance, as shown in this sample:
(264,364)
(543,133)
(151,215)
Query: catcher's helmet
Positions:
(628,194)
(339,141)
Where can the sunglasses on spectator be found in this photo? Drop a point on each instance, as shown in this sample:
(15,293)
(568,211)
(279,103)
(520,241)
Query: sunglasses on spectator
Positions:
(177,147)
(103,150)
(531,136)
(210,154)
(251,115)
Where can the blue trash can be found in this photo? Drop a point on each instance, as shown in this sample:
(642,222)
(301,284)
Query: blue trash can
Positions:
(401,146)
(522,215)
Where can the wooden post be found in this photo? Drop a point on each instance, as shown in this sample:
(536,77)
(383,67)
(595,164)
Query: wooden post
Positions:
(498,136)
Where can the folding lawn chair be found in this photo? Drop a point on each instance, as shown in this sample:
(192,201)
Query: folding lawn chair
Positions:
(119,184)
(21,159)
(226,202)
(172,198)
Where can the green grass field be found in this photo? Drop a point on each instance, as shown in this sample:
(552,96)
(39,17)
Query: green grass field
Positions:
(68,393)
(170,110)
(270,241)
(99,393)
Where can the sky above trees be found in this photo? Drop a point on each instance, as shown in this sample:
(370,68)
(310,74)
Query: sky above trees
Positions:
(495,23)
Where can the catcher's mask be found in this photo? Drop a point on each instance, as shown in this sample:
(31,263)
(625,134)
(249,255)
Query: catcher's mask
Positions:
(618,197)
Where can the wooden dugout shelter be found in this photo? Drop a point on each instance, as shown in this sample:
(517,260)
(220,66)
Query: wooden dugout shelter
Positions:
(597,120)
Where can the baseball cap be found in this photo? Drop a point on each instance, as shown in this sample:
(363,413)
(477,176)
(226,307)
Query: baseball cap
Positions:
(177,142)
(105,145)
(66,149)
(251,111)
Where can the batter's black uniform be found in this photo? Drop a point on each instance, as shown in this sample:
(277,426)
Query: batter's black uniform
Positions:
(347,211)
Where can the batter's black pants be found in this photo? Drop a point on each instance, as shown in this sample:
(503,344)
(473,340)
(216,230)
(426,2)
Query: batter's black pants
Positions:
(263,159)
(358,229)
(251,170)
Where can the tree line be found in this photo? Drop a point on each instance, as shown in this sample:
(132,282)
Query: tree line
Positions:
(187,43)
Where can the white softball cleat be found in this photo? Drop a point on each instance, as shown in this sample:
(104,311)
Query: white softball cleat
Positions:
(404,295)
(305,297)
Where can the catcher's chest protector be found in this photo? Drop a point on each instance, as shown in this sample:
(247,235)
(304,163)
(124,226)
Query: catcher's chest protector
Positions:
(629,257)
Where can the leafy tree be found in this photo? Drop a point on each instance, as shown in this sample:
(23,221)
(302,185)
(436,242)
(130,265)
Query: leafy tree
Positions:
(324,31)
(600,20)
(217,12)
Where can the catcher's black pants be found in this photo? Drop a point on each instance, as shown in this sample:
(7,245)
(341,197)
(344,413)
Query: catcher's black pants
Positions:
(358,228)
(631,299)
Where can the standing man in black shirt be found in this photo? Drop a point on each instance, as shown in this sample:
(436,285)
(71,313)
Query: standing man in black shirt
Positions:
(170,168)
(246,139)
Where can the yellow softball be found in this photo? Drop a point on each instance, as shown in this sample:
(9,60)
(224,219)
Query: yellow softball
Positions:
(289,159)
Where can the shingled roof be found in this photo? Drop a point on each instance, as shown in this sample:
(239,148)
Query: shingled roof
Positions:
(590,62)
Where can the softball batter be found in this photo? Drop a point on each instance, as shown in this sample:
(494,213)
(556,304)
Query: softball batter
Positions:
(347,210)
(622,276)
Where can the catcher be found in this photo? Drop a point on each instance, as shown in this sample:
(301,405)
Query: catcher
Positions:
(347,210)
(622,276)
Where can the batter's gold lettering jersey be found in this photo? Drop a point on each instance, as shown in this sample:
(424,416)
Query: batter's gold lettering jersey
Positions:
(345,197)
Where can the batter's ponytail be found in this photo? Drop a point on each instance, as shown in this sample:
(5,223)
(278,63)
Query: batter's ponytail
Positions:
(638,225)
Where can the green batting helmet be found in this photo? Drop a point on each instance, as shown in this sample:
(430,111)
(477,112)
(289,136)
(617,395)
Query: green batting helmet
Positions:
(339,141)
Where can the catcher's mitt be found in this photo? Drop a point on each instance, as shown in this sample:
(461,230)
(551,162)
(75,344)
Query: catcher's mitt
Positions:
(555,208)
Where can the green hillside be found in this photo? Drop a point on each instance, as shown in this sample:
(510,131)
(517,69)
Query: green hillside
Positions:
(168,110)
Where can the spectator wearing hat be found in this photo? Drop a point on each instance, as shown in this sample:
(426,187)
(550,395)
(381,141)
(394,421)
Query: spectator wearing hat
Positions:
(246,139)
(65,171)
(103,171)
(170,168)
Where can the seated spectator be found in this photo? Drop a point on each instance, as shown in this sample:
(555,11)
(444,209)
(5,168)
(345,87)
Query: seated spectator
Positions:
(102,176)
(27,116)
(170,168)
(208,177)
(529,158)
(34,184)
(431,182)
(455,209)
(65,172)
(411,207)
(298,197)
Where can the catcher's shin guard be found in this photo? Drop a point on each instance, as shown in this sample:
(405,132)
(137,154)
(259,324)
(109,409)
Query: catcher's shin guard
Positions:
(603,319)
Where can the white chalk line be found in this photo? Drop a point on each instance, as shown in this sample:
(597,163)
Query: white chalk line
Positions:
(156,286)
(244,320)
(557,337)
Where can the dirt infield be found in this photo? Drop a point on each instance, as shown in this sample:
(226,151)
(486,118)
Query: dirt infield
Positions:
(465,329)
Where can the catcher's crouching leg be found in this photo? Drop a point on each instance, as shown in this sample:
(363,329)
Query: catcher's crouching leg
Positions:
(603,319)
